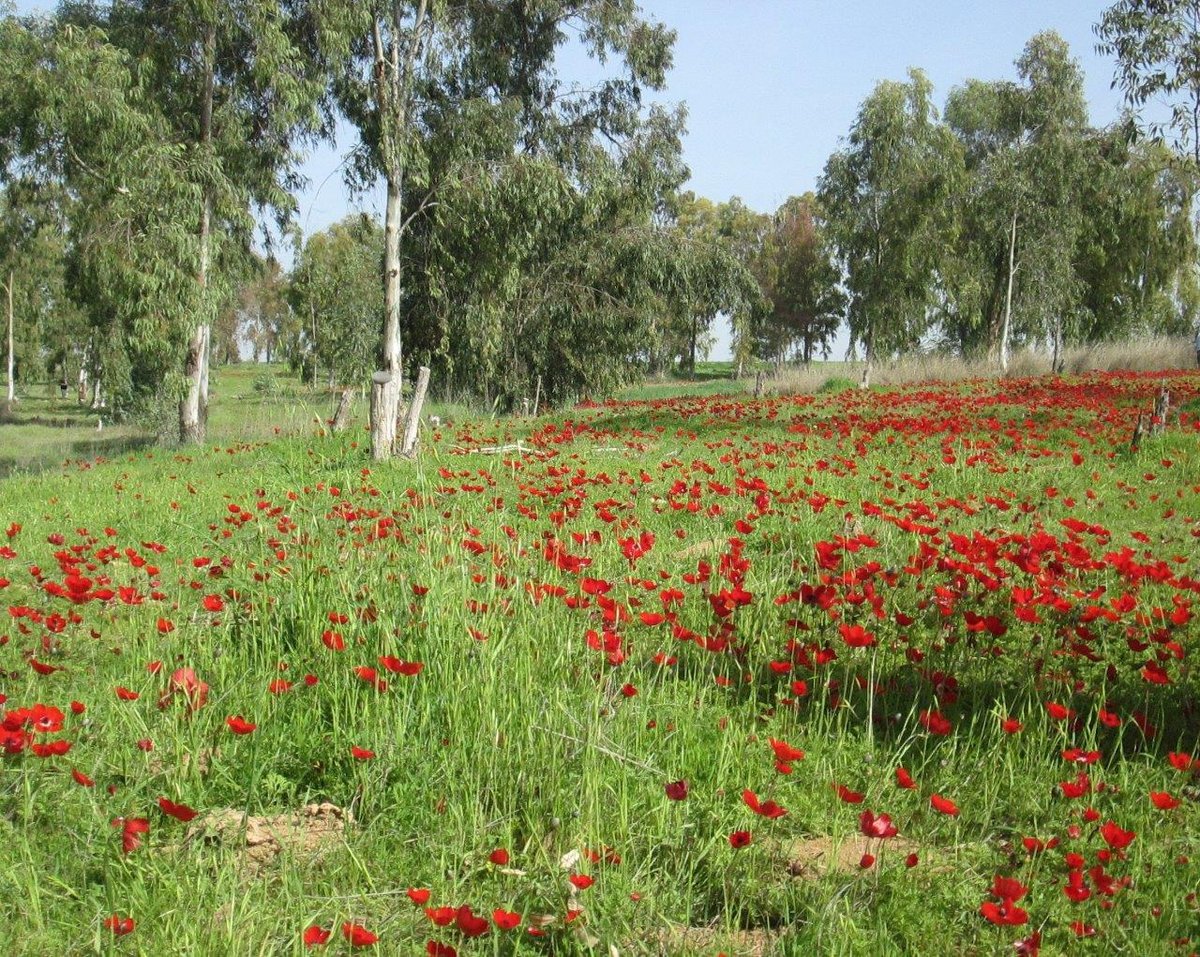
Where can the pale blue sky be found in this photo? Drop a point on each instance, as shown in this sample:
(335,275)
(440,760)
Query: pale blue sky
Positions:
(771,85)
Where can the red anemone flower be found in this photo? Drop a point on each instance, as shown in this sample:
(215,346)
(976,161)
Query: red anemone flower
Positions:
(239,725)
(767,809)
(315,936)
(357,935)
(677,790)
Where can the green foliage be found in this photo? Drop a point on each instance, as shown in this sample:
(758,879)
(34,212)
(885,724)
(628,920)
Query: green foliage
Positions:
(835,384)
(1156,44)
(801,282)
(266,384)
(335,307)
(884,199)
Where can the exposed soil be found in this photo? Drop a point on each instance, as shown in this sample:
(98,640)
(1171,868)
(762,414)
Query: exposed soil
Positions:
(308,832)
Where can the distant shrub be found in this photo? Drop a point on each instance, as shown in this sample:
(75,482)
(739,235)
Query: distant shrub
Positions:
(836,383)
(266,385)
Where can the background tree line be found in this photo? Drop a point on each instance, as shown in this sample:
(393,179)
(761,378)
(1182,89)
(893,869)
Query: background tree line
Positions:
(536,229)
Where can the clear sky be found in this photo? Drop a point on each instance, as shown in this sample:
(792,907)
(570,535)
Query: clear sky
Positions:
(771,85)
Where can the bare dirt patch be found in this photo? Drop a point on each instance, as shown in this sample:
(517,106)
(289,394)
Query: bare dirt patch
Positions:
(689,941)
(817,856)
(308,832)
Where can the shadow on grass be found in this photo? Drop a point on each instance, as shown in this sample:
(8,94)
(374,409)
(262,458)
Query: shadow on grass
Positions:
(53,456)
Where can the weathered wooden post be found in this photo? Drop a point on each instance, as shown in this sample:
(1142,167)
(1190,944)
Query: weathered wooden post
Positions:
(409,446)
(341,418)
(379,383)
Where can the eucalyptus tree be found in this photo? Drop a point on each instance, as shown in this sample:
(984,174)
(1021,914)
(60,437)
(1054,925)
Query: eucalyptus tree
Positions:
(75,125)
(1055,114)
(403,70)
(883,197)
(1156,44)
(232,82)
(1010,269)
(801,283)
(333,294)
(1136,254)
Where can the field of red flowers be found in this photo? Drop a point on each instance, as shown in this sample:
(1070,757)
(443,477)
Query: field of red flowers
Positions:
(881,672)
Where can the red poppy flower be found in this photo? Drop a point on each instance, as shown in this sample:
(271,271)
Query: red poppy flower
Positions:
(847,795)
(120,926)
(944,805)
(181,812)
(785,752)
(1163,800)
(582,881)
(333,640)
(125,694)
(904,780)
(361,754)
(505,920)
(357,935)
(1182,762)
(767,809)
(856,636)
(739,839)
(866,862)
(82,779)
(935,723)
(442,916)
(239,725)
(418,895)
(469,923)
(132,829)
(876,826)
(1059,712)
(1115,836)
(213,603)
(1011,725)
(434,949)
(315,936)
(279,686)
(677,790)
(1005,913)
(499,856)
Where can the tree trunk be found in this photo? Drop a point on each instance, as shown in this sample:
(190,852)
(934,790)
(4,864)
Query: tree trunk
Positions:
(869,356)
(1057,359)
(692,355)
(12,364)
(193,407)
(383,413)
(341,418)
(1006,328)
(409,446)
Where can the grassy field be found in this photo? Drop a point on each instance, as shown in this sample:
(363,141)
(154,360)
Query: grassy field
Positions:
(849,673)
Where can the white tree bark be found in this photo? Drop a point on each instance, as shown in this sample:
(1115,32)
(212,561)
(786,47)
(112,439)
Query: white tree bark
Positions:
(12,363)
(193,407)
(409,446)
(393,74)
(1012,271)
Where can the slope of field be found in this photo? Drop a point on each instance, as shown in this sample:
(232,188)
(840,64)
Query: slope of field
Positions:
(873,672)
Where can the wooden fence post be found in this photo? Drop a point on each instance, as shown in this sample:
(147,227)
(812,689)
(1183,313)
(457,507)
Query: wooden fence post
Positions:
(409,447)
(379,382)
(341,418)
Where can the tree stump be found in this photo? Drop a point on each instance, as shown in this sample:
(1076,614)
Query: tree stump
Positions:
(379,383)
(413,422)
(341,418)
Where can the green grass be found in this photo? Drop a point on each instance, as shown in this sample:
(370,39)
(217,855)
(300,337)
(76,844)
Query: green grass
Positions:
(525,730)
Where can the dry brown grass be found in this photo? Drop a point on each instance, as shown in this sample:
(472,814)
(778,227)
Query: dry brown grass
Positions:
(1138,355)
